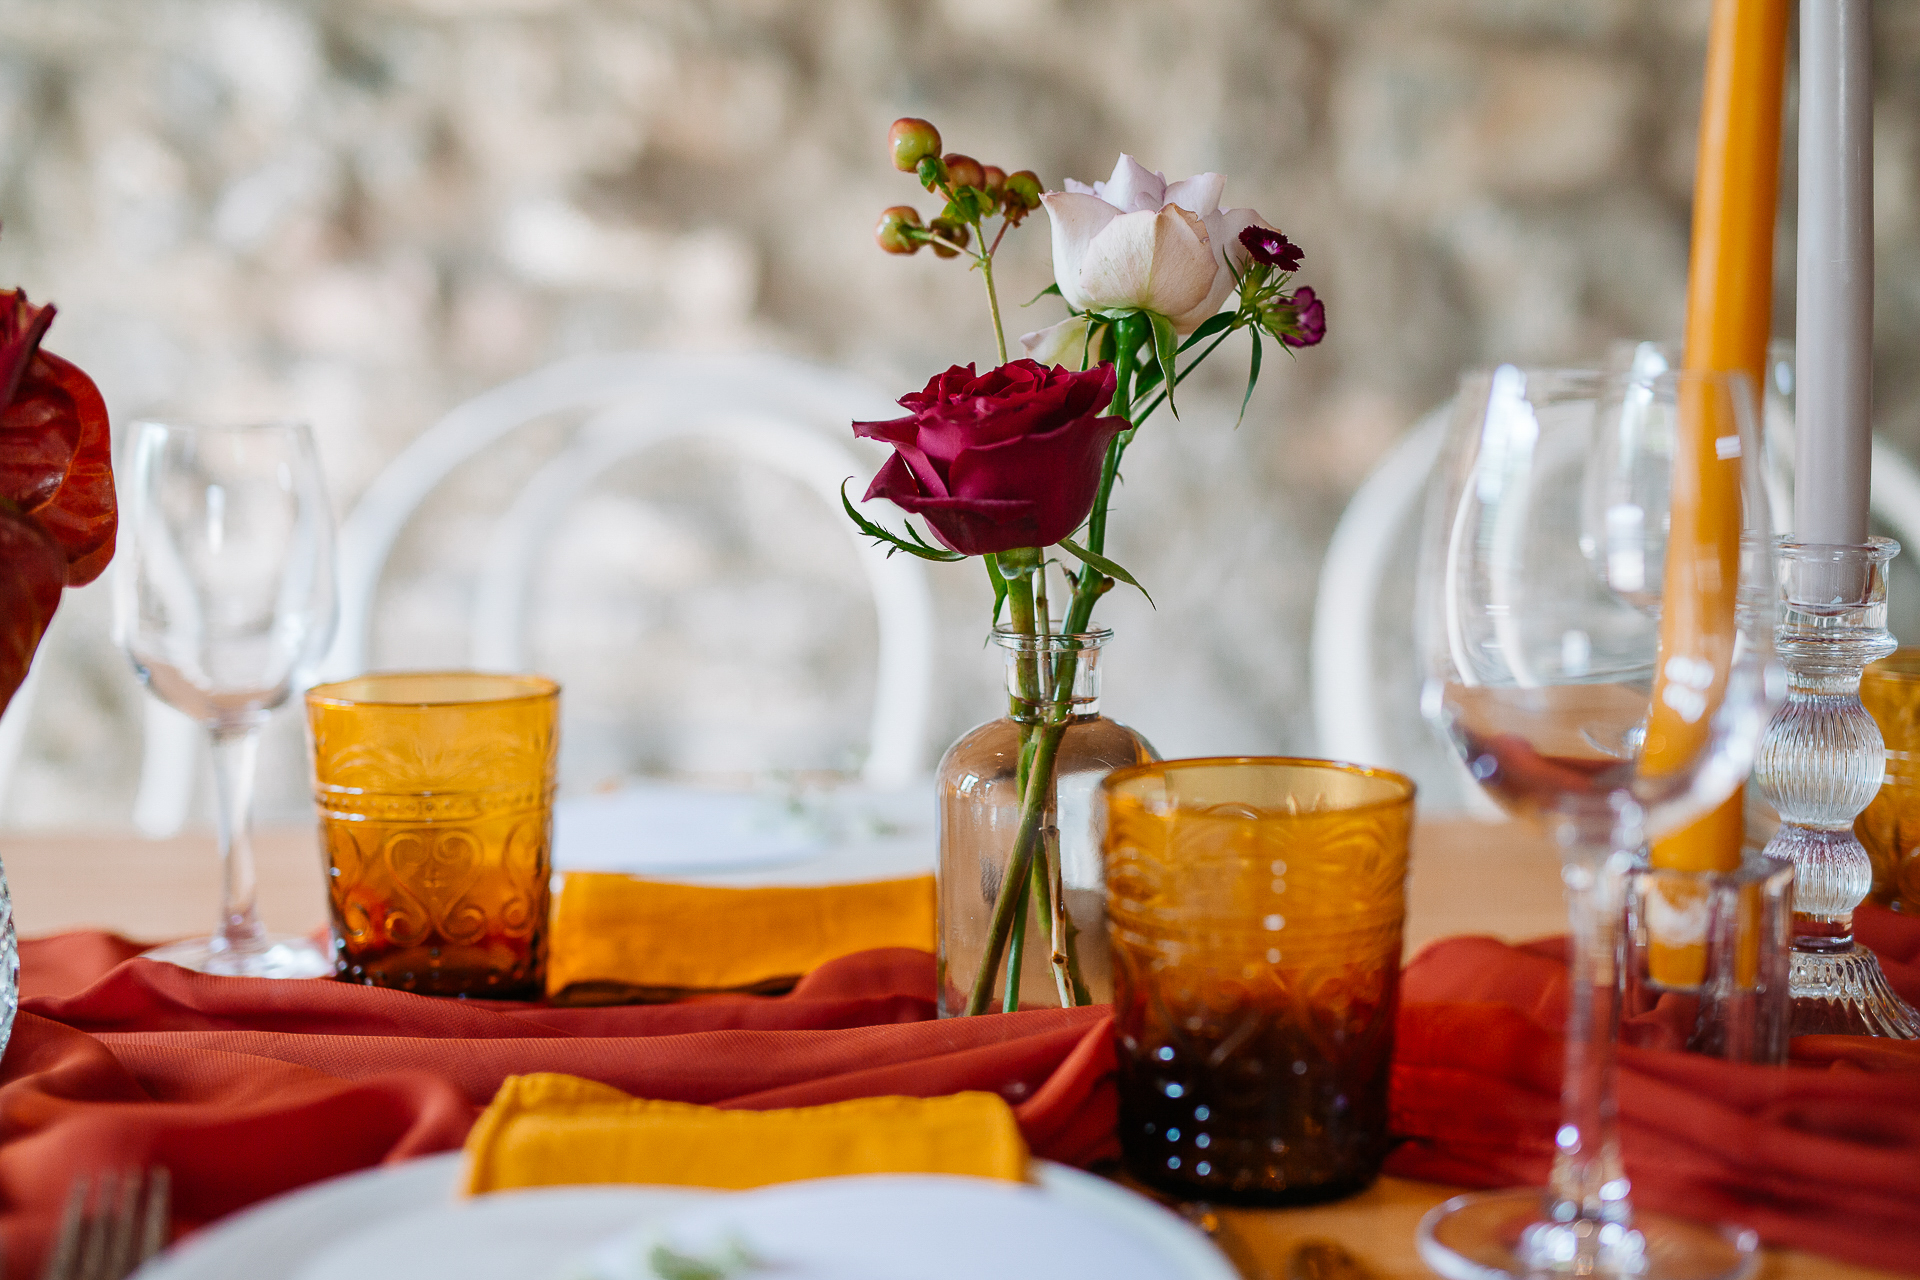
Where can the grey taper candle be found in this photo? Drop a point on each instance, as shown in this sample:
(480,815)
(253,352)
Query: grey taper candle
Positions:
(1834,325)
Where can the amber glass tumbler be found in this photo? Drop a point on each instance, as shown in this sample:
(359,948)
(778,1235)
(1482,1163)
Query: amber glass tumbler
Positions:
(435,792)
(1255,909)
(1890,826)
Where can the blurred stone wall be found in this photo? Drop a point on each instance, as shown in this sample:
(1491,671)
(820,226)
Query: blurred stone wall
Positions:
(361,212)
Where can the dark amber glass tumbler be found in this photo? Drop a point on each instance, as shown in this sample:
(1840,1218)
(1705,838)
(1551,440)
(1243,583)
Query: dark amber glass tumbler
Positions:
(435,792)
(1255,909)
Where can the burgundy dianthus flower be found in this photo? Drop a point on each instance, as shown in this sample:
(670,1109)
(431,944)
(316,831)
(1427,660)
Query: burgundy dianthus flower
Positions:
(1271,248)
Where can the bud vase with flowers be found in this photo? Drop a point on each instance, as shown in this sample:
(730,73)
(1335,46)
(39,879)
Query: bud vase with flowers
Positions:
(1017,466)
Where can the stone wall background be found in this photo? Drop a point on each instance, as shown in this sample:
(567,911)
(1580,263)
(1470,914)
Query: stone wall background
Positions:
(361,212)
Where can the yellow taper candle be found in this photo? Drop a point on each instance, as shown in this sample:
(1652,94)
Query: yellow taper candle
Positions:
(1729,317)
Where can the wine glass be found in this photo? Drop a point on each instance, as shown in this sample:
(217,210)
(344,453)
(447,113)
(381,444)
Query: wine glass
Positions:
(1549,604)
(224,599)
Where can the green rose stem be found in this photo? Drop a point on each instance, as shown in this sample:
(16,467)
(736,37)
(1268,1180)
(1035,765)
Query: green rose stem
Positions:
(1040,745)
(993,296)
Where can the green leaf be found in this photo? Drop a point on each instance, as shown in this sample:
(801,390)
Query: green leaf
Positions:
(1253,376)
(1163,349)
(1053,289)
(1212,325)
(1102,564)
(999,586)
(918,547)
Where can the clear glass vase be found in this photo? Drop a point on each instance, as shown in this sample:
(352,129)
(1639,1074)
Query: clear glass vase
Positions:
(9,964)
(1053,696)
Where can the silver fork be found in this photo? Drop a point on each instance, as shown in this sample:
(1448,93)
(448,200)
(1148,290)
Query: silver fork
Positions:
(112,1224)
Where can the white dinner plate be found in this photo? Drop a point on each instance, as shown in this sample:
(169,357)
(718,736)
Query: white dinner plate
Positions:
(742,838)
(405,1222)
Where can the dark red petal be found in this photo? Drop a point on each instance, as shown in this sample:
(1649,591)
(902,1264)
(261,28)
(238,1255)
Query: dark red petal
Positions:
(80,515)
(39,432)
(979,526)
(32,571)
(896,481)
(21,327)
(1068,459)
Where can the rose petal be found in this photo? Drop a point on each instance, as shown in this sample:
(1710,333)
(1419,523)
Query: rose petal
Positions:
(32,571)
(1063,343)
(1223,233)
(1070,455)
(21,327)
(1156,261)
(1133,188)
(978,526)
(1199,194)
(1076,220)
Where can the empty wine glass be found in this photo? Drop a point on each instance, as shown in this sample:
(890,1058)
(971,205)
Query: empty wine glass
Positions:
(1610,694)
(225,598)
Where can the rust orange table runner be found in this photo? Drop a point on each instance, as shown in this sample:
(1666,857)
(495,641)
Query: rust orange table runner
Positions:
(246,1088)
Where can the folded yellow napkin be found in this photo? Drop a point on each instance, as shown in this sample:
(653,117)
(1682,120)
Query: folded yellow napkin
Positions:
(557,1130)
(618,937)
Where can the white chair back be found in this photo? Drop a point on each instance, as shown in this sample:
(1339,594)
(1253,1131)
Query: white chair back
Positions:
(769,410)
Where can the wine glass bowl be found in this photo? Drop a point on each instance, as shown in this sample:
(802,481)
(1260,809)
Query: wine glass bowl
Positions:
(1545,562)
(1596,621)
(224,602)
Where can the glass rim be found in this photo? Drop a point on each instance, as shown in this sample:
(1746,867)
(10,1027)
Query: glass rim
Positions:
(533,688)
(1875,550)
(1408,787)
(1005,635)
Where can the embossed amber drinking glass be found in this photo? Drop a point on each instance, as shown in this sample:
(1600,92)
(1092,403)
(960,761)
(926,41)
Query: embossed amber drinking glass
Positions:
(1255,909)
(1890,826)
(435,793)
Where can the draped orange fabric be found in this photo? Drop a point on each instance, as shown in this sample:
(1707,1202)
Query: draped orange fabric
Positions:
(246,1088)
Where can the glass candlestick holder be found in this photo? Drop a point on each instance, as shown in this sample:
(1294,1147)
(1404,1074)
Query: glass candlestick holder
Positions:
(1819,764)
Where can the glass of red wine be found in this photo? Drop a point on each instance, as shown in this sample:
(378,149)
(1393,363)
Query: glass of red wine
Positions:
(1586,697)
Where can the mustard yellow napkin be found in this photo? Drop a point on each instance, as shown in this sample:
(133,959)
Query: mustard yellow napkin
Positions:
(557,1130)
(618,937)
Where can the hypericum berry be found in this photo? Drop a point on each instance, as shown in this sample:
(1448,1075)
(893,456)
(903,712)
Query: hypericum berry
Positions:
(952,230)
(994,181)
(912,139)
(1025,187)
(891,233)
(965,171)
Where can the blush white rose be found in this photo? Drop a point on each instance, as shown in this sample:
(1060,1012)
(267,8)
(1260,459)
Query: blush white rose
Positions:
(1137,241)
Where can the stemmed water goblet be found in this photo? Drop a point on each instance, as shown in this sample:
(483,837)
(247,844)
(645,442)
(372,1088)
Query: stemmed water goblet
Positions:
(1582,700)
(224,601)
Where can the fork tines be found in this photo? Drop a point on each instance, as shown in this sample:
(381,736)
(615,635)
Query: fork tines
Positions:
(112,1224)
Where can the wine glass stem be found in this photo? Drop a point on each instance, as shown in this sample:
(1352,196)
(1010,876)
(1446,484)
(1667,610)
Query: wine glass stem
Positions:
(235,754)
(1589,1181)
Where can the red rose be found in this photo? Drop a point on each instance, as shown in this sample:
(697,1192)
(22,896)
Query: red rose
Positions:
(1008,458)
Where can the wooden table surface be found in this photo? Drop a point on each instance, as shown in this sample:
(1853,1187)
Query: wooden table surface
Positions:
(1468,877)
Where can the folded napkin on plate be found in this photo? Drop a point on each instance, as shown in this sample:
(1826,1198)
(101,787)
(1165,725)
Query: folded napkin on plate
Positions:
(1821,1155)
(617,938)
(558,1130)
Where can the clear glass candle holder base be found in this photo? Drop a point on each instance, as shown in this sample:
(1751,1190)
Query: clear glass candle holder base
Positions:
(276,956)
(1844,993)
(1707,960)
(1508,1235)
